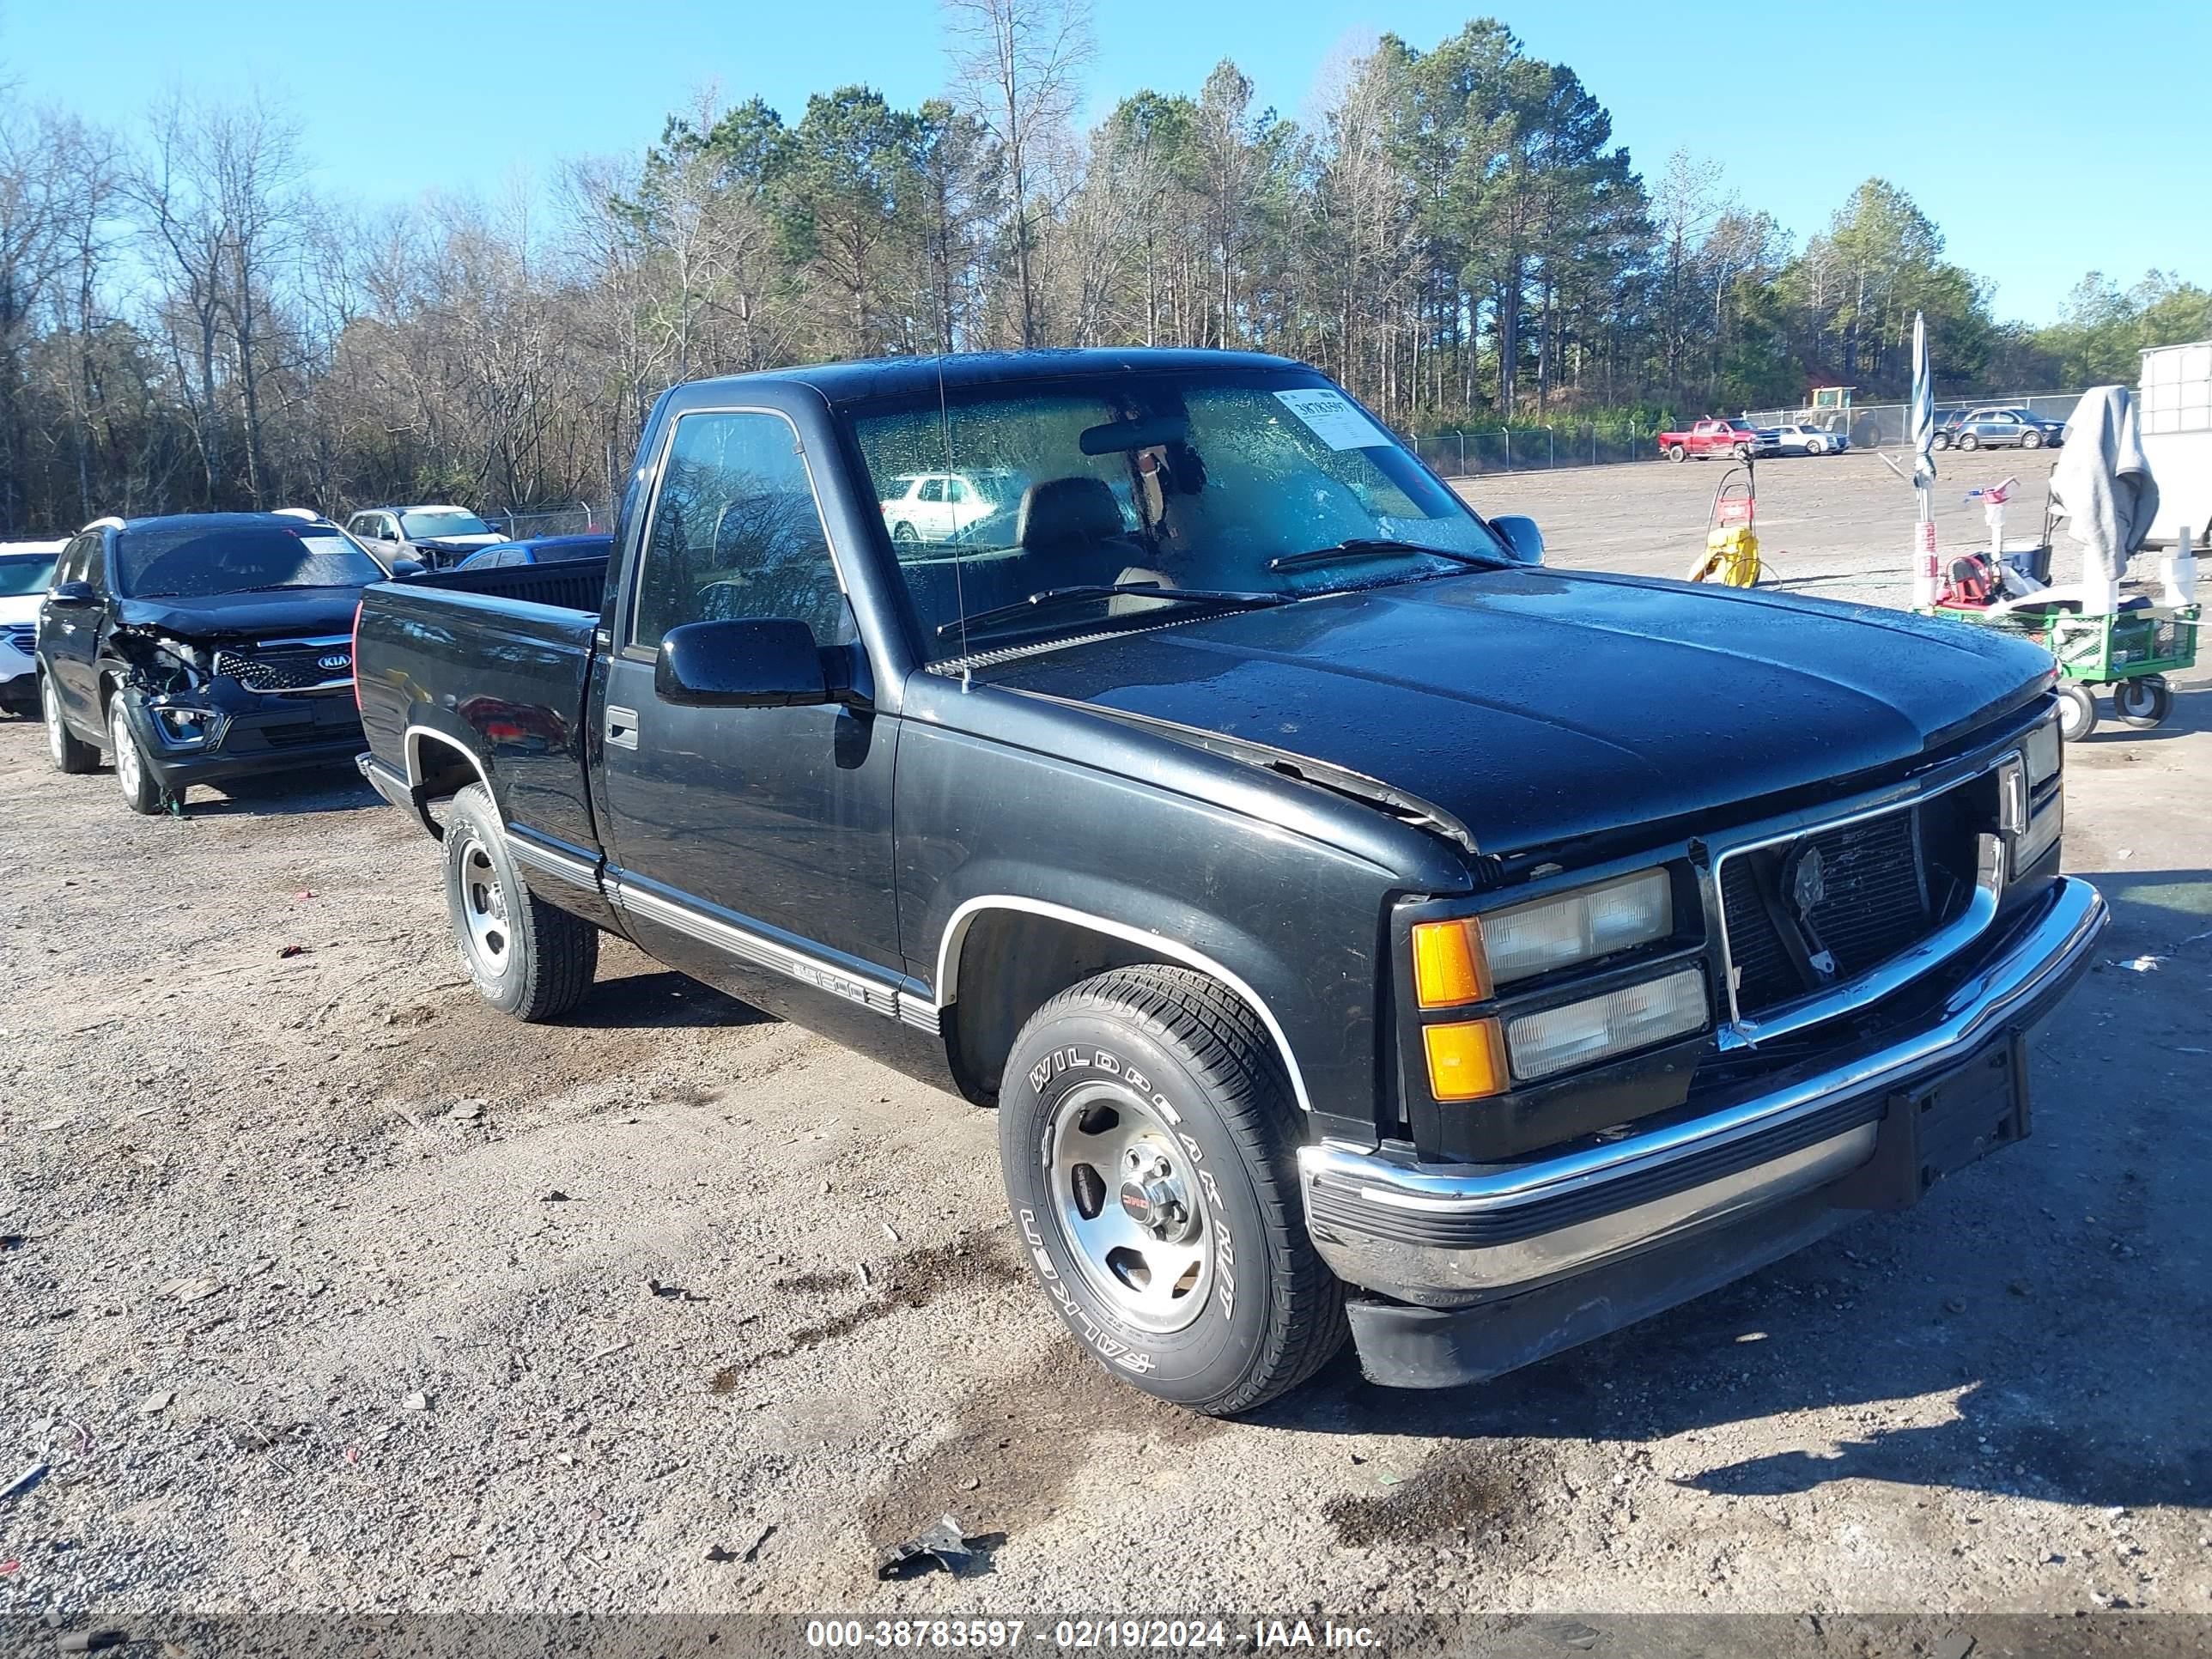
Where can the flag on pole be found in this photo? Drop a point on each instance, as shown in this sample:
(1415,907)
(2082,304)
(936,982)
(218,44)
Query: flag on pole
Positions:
(1921,416)
(1923,407)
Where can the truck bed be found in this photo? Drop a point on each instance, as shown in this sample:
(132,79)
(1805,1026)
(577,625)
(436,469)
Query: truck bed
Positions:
(494,662)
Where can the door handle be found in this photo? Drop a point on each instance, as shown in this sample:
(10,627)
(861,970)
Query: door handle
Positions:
(622,727)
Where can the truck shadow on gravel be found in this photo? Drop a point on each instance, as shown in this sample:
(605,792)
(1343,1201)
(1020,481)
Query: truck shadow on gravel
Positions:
(660,1001)
(2050,1307)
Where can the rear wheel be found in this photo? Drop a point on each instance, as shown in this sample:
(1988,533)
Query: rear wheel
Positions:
(528,958)
(1817,446)
(903,534)
(142,790)
(2144,703)
(1676,452)
(1147,1136)
(68,752)
(2077,712)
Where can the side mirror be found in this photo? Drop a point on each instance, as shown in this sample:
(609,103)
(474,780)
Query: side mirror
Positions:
(73,593)
(408,568)
(754,663)
(1523,538)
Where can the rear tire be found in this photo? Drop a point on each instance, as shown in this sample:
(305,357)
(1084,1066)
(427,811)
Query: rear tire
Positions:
(528,958)
(2144,703)
(1147,1137)
(68,752)
(1676,452)
(1817,446)
(2077,712)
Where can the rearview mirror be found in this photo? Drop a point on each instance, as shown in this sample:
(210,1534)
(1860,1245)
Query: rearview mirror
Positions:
(73,593)
(754,663)
(1524,540)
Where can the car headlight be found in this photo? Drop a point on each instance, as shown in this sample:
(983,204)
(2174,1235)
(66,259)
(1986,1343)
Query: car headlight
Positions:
(1598,1028)
(2032,803)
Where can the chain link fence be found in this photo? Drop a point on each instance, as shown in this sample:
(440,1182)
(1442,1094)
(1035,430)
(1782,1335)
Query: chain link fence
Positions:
(1538,448)
(1532,448)
(1886,426)
(571,520)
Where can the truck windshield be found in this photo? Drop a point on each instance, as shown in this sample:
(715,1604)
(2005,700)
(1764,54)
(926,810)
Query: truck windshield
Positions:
(429,525)
(185,561)
(1230,483)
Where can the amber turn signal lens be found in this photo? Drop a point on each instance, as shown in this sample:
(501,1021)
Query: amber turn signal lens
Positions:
(1448,965)
(1466,1060)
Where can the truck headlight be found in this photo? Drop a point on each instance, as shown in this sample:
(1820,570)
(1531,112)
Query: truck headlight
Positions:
(1598,1028)
(1524,941)
(1464,960)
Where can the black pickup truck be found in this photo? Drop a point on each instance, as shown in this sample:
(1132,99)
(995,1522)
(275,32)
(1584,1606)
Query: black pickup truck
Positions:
(1355,922)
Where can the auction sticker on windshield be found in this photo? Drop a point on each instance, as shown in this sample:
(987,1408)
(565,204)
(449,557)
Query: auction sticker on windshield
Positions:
(1333,418)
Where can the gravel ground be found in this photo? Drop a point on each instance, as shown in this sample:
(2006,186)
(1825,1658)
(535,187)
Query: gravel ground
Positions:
(323,1286)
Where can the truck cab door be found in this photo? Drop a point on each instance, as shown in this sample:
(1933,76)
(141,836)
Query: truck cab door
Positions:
(752,846)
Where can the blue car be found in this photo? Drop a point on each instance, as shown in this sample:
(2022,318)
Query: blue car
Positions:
(544,549)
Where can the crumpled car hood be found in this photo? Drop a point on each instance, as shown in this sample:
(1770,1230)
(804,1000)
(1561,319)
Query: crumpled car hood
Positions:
(289,613)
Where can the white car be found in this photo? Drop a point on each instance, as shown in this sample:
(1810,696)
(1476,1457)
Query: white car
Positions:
(1793,438)
(435,535)
(945,507)
(26,570)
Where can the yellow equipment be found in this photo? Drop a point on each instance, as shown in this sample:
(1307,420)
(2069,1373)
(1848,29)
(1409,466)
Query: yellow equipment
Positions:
(1731,554)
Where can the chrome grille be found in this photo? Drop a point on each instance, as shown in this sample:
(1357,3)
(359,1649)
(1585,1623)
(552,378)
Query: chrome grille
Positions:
(1870,901)
(24,636)
(287,668)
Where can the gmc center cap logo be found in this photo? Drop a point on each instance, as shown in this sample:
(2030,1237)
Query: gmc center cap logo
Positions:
(1136,1203)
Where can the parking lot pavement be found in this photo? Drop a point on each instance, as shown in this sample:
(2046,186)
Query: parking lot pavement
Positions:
(1837,527)
(325,1287)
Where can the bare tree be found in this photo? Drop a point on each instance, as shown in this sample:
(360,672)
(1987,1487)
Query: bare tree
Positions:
(1017,68)
(220,195)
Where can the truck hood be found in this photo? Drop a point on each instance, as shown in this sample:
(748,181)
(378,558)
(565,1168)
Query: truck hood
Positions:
(1536,706)
(281,614)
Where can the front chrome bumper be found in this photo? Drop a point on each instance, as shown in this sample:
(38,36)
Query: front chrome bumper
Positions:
(1446,1235)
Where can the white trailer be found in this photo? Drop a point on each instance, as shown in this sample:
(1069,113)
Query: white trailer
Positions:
(2173,403)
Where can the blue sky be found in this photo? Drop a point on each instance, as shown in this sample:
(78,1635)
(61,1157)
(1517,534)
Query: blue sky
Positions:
(2045,144)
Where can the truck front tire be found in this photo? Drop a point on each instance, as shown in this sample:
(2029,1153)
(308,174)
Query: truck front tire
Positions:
(528,958)
(1147,1135)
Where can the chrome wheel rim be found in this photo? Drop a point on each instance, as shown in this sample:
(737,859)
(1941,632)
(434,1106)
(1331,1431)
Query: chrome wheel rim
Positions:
(484,908)
(129,771)
(1126,1193)
(56,736)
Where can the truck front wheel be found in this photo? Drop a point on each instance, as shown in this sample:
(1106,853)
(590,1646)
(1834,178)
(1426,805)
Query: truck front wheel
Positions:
(528,958)
(1147,1136)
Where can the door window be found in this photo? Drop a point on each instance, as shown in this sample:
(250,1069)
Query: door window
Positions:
(736,533)
(932,489)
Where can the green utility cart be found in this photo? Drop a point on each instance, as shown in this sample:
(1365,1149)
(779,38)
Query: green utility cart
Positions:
(2131,650)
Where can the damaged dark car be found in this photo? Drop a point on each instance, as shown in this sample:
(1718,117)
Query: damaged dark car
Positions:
(200,649)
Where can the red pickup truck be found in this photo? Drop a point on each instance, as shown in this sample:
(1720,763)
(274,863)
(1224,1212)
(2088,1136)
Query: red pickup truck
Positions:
(1709,437)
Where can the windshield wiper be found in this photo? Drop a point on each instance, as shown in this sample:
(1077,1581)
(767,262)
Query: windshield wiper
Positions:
(1050,597)
(1371,547)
